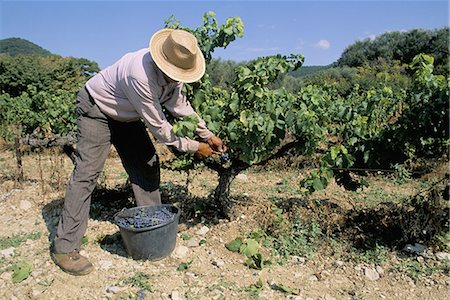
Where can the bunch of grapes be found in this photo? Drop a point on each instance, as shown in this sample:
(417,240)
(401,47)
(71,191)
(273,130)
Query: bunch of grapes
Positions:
(224,157)
(145,217)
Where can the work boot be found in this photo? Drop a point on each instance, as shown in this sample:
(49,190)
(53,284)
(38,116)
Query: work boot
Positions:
(73,263)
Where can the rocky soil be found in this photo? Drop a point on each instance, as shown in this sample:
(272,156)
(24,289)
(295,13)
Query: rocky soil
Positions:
(200,267)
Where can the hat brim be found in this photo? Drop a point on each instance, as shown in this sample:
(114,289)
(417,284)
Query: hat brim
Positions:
(178,74)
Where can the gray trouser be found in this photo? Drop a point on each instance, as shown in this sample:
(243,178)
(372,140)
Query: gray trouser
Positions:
(96,132)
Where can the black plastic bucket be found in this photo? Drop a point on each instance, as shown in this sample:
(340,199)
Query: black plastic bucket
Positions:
(151,242)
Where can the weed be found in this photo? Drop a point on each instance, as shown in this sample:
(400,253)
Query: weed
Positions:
(372,196)
(415,269)
(185,236)
(254,289)
(336,246)
(410,267)
(443,266)
(184,266)
(18,239)
(376,255)
(295,236)
(84,240)
(139,280)
(250,249)
(122,176)
(358,297)
(442,240)
(401,174)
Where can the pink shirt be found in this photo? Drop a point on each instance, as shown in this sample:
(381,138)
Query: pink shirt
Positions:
(134,88)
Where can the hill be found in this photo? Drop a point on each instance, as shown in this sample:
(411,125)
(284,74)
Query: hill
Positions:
(305,70)
(15,46)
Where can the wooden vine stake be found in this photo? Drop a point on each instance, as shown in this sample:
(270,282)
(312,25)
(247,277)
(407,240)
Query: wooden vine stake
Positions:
(18,151)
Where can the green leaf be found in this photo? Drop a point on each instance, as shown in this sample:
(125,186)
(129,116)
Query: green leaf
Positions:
(334,152)
(184,266)
(249,248)
(21,271)
(185,126)
(84,240)
(317,184)
(185,237)
(286,290)
(366,156)
(234,245)
(255,261)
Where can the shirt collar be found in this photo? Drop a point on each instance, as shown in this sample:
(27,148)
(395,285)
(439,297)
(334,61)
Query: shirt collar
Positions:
(160,76)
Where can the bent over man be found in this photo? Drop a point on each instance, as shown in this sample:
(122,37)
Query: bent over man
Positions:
(116,106)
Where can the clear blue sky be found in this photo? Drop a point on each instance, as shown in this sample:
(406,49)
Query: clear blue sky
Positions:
(103,31)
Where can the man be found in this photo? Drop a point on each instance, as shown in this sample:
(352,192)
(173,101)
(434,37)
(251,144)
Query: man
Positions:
(109,110)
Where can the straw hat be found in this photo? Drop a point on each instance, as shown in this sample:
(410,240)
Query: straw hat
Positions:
(177,54)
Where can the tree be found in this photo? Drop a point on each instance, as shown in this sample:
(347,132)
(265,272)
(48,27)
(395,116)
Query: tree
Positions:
(221,72)
(249,116)
(401,46)
(37,95)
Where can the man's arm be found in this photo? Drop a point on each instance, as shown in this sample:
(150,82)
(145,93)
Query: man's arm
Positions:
(151,112)
(179,106)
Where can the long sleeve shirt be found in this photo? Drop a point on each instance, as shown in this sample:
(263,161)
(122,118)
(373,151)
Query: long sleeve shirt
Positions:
(134,88)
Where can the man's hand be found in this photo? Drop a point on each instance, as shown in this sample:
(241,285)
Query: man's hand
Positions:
(217,145)
(204,151)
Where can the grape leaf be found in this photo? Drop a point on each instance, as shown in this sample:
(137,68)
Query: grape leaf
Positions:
(21,271)
(234,245)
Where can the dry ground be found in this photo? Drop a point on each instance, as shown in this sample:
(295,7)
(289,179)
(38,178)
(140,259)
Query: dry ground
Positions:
(29,214)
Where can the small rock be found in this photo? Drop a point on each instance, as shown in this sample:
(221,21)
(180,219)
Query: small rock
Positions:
(37,273)
(218,263)
(181,251)
(175,295)
(298,259)
(339,263)
(313,278)
(218,295)
(141,294)
(113,289)
(242,177)
(25,205)
(7,252)
(193,243)
(443,256)
(84,253)
(105,264)
(380,270)
(202,231)
(6,276)
(36,293)
(371,274)
(427,254)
